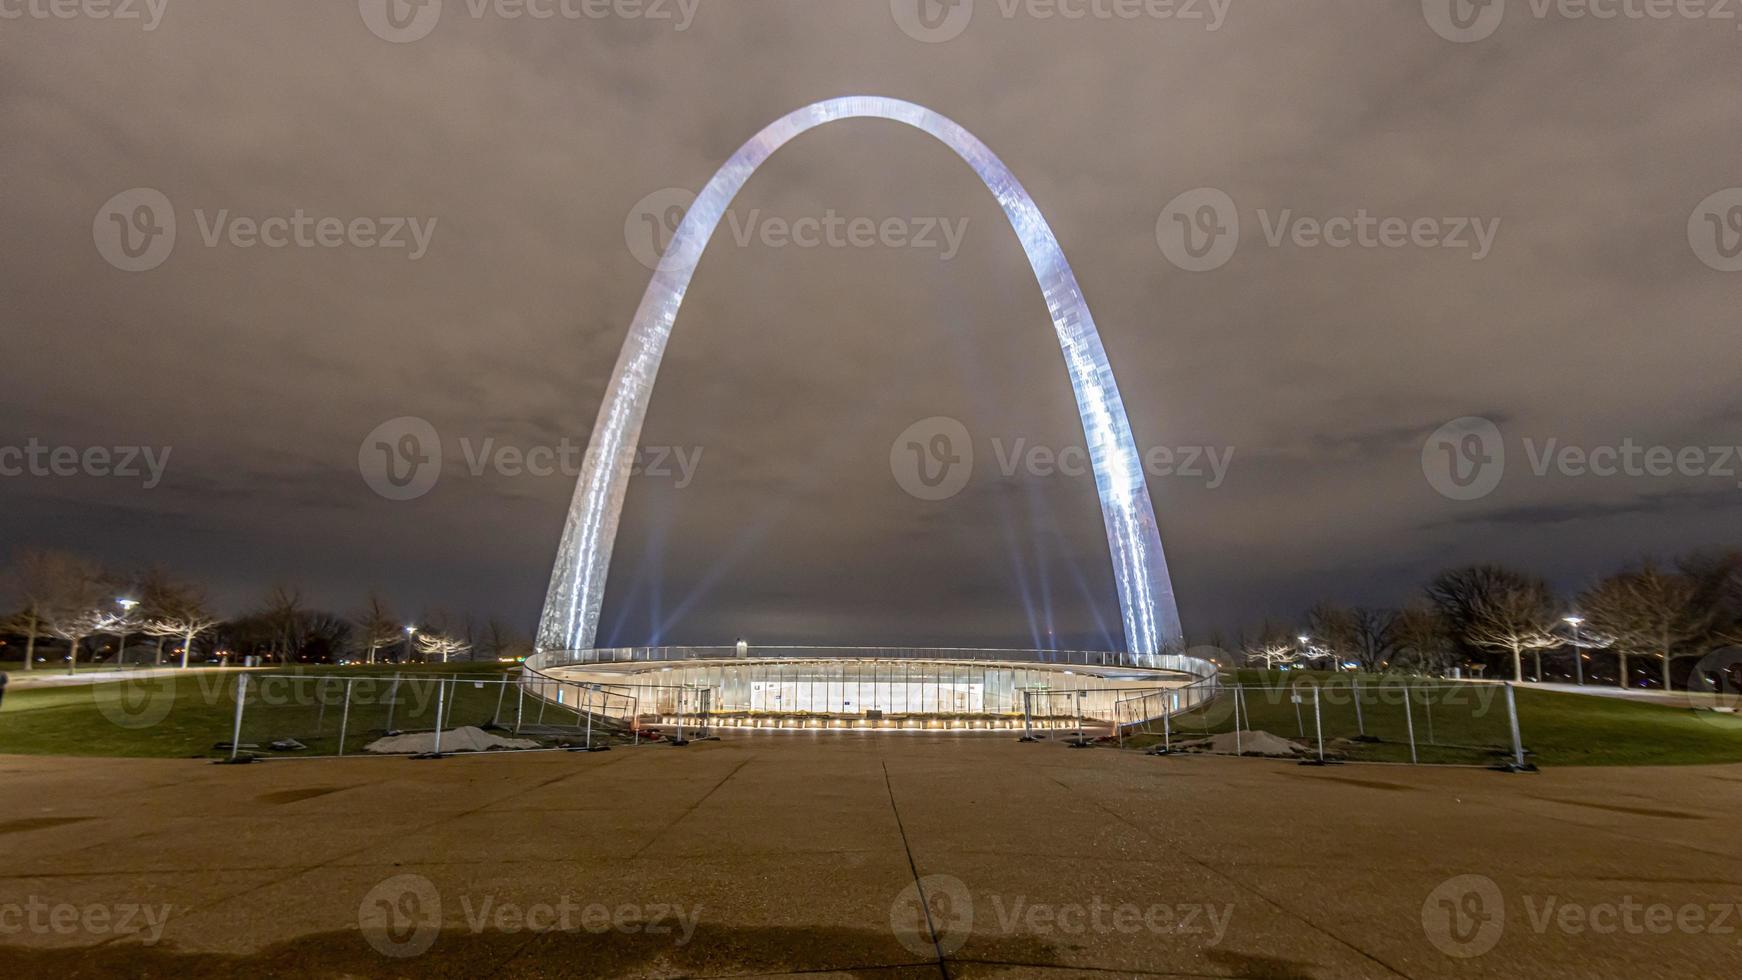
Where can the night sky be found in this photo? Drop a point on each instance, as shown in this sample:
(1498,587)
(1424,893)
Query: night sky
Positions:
(1595,316)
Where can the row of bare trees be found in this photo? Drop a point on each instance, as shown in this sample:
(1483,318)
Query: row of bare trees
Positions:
(56,597)
(1651,611)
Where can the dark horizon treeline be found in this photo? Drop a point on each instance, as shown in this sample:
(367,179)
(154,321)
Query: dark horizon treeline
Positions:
(58,604)
(1650,624)
(1484,618)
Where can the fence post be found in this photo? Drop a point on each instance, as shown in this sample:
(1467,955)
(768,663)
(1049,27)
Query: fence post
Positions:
(588,701)
(1427,701)
(1238,747)
(1027,720)
(1517,740)
(496,716)
(236,731)
(1360,721)
(1409,722)
(392,700)
(519,704)
(1318,724)
(1167,731)
(441,693)
(680,739)
(345,715)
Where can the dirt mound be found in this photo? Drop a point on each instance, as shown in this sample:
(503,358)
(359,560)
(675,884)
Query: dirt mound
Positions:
(463,739)
(1251,743)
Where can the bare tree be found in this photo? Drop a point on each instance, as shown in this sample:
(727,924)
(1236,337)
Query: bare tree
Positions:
(29,582)
(502,641)
(282,610)
(1358,634)
(1718,578)
(1423,639)
(1332,631)
(162,597)
(1498,609)
(175,609)
(71,600)
(376,625)
(441,645)
(1275,645)
(1648,611)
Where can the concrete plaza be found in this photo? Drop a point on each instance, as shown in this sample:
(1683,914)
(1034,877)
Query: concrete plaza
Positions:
(865,856)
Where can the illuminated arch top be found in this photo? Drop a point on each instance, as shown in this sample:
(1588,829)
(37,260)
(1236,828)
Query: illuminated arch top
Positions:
(577,584)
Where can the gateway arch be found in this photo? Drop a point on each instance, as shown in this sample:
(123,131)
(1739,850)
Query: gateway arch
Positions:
(570,621)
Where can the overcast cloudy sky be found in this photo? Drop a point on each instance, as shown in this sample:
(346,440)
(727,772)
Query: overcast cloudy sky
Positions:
(1574,284)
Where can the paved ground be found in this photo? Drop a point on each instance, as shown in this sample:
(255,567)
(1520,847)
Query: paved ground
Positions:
(886,857)
(1677,699)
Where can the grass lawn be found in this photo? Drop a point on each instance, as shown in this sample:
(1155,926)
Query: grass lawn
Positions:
(185,715)
(1467,723)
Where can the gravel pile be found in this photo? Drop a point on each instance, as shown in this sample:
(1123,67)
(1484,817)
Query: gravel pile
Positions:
(463,739)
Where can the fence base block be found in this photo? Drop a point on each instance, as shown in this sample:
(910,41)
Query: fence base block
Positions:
(240,760)
(1321,762)
(1515,767)
(1031,738)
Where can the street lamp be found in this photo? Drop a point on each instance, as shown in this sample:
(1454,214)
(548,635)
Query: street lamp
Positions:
(121,633)
(410,633)
(1578,651)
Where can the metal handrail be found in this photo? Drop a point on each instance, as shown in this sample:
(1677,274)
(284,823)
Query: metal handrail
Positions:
(1088,658)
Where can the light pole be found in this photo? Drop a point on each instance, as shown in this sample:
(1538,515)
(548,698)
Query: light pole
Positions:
(410,634)
(1578,651)
(121,632)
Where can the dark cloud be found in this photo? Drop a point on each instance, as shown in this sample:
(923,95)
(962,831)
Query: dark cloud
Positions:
(793,370)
